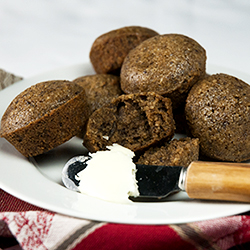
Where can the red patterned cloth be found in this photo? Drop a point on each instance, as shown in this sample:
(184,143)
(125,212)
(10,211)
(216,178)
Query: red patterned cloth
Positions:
(35,228)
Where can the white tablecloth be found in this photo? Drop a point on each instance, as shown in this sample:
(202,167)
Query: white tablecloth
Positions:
(37,36)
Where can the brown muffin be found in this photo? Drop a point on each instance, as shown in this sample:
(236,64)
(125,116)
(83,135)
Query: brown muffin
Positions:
(167,64)
(135,121)
(174,153)
(44,116)
(100,89)
(218,113)
(180,118)
(109,50)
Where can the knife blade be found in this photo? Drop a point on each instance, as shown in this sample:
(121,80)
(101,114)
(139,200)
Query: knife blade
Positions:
(157,182)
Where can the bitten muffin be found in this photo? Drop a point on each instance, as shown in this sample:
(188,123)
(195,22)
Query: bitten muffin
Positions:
(167,64)
(174,153)
(109,50)
(100,89)
(135,121)
(218,113)
(44,116)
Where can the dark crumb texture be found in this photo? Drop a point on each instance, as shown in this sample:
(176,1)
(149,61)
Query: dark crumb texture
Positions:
(135,121)
(100,89)
(167,64)
(174,153)
(218,113)
(44,116)
(109,50)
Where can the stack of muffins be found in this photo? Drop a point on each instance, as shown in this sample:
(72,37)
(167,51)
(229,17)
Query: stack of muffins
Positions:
(147,88)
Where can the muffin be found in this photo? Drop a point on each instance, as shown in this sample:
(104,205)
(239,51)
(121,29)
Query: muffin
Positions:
(100,89)
(167,64)
(180,117)
(44,116)
(135,121)
(109,50)
(218,113)
(174,153)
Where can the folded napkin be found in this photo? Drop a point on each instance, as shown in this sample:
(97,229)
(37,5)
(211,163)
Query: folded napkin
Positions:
(7,79)
(36,228)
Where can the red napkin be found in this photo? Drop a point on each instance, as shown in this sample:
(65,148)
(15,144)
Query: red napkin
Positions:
(35,228)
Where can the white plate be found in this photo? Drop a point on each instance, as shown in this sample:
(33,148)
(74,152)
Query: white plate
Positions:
(39,181)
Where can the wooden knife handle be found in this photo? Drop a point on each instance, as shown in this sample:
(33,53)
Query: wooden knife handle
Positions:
(218,181)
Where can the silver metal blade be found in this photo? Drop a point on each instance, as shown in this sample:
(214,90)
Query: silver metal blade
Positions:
(157,182)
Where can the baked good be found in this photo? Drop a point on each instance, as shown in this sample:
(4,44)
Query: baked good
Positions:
(109,50)
(44,116)
(135,121)
(174,153)
(180,118)
(167,64)
(100,89)
(218,113)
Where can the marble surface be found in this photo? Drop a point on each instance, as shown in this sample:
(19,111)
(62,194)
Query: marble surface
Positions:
(37,36)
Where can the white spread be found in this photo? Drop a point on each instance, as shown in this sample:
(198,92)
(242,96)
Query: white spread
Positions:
(110,175)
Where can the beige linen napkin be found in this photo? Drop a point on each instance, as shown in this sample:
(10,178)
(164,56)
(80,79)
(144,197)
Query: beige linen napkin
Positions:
(7,79)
